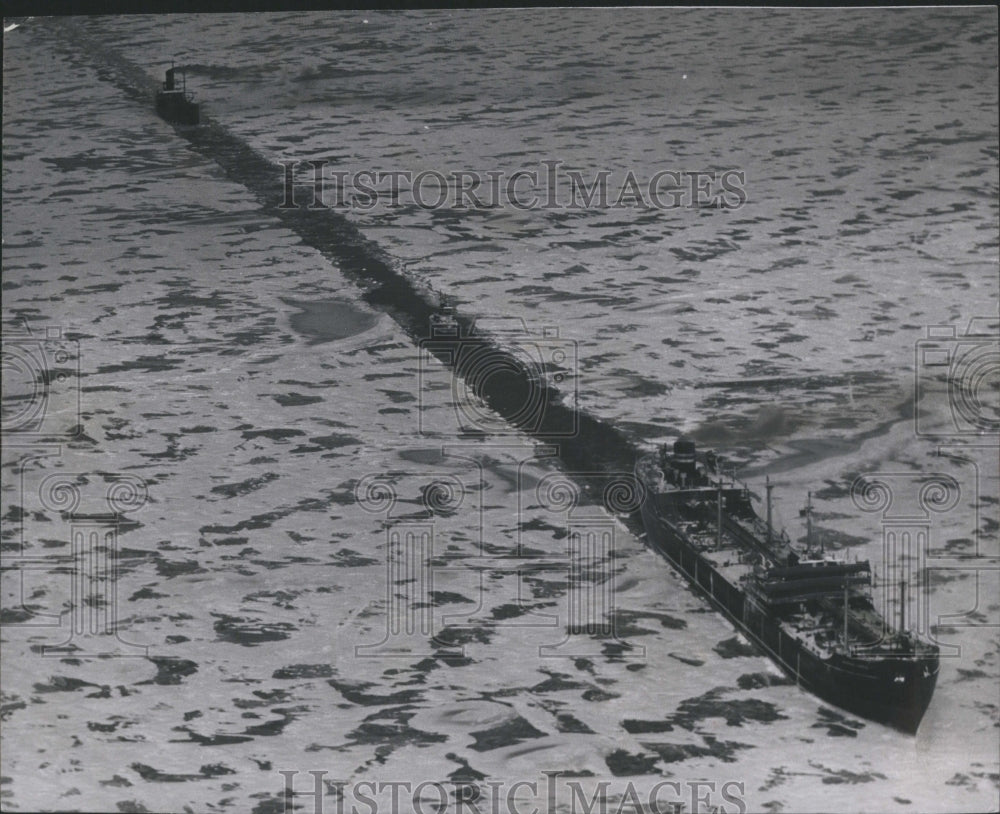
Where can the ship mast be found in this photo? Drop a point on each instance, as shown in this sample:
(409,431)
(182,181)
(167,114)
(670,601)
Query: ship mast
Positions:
(902,606)
(768,487)
(809,523)
(718,516)
(845,612)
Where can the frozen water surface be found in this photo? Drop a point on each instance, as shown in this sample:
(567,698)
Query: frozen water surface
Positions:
(283,427)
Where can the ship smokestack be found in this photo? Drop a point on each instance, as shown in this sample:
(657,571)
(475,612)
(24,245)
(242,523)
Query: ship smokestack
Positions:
(684,455)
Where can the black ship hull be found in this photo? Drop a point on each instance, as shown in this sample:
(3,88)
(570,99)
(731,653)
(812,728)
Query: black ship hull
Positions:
(894,691)
(174,107)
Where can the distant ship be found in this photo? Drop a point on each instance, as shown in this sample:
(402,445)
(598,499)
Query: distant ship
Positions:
(812,614)
(174,103)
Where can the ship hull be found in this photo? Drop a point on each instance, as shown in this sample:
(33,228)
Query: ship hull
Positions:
(894,691)
(174,107)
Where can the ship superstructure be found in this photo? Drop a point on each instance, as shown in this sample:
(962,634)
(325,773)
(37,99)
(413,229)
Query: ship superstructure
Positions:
(174,103)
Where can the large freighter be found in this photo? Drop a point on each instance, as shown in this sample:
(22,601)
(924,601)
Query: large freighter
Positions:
(811,613)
